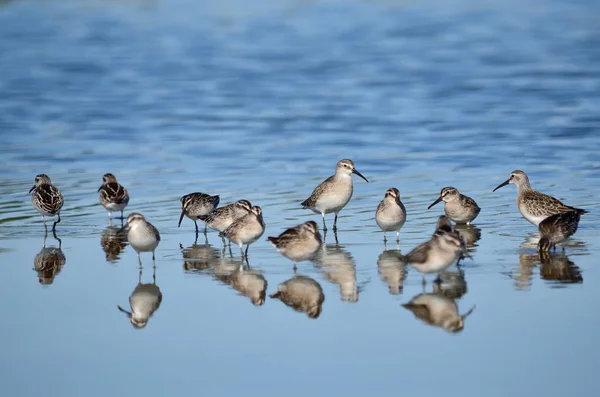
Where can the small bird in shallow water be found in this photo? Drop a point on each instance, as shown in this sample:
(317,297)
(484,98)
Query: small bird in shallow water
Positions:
(458,207)
(334,193)
(438,310)
(142,235)
(46,199)
(303,294)
(557,228)
(221,218)
(391,214)
(533,205)
(299,243)
(195,205)
(113,196)
(246,230)
(443,249)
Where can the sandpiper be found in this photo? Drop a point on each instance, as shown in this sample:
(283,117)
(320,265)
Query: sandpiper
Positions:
(533,205)
(438,310)
(443,249)
(195,205)
(391,214)
(221,218)
(303,294)
(246,230)
(557,228)
(458,207)
(46,198)
(299,243)
(334,193)
(142,235)
(144,301)
(113,196)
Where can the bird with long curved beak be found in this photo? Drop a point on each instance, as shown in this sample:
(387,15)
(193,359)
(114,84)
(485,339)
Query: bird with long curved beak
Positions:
(533,205)
(334,193)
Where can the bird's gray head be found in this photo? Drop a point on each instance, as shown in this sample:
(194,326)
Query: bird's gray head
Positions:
(256,210)
(517,177)
(392,192)
(447,194)
(311,227)
(346,167)
(40,179)
(245,204)
(134,218)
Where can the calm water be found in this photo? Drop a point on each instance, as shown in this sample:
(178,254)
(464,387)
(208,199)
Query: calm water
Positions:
(259,103)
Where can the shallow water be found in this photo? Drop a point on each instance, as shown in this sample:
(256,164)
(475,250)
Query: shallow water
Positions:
(259,103)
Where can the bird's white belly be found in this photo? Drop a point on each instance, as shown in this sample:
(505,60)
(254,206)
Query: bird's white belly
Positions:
(536,220)
(115,206)
(142,242)
(333,201)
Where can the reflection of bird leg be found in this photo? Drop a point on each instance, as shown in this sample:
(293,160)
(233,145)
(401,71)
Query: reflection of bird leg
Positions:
(154,276)
(57,221)
(335,223)
(140,277)
(45,236)
(423,282)
(57,239)
(384,242)
(140,260)
(295,267)
(397,236)
(196,224)
(336,237)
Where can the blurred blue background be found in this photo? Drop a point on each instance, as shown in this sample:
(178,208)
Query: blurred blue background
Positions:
(259,100)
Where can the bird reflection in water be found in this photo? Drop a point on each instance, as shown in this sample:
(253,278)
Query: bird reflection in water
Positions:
(392,270)
(49,261)
(339,267)
(248,282)
(470,234)
(302,294)
(113,242)
(450,284)
(557,267)
(199,257)
(438,310)
(144,301)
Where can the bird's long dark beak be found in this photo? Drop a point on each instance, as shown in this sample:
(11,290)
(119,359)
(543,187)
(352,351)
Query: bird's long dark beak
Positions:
(506,182)
(31,190)
(435,202)
(100,188)
(124,311)
(354,171)
(467,313)
(181,218)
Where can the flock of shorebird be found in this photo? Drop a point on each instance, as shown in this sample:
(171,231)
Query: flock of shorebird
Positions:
(242,223)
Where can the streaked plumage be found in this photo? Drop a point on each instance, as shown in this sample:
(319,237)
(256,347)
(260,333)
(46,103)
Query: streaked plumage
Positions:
(142,235)
(533,205)
(391,214)
(245,230)
(221,218)
(46,198)
(438,310)
(113,242)
(144,302)
(299,243)
(557,228)
(113,196)
(334,193)
(303,294)
(443,249)
(457,206)
(196,205)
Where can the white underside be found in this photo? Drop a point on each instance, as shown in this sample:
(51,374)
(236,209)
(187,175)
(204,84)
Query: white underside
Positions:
(436,262)
(115,206)
(142,242)
(536,220)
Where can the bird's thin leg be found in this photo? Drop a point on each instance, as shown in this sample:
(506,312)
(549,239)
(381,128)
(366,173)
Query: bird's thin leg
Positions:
(205,229)
(58,221)
(196,224)
(247,246)
(45,226)
(384,238)
(397,236)
(154,275)
(324,224)
(140,260)
(385,244)
(140,276)
(121,214)
(423,282)
(242,249)
(335,222)
(295,268)
(153,260)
